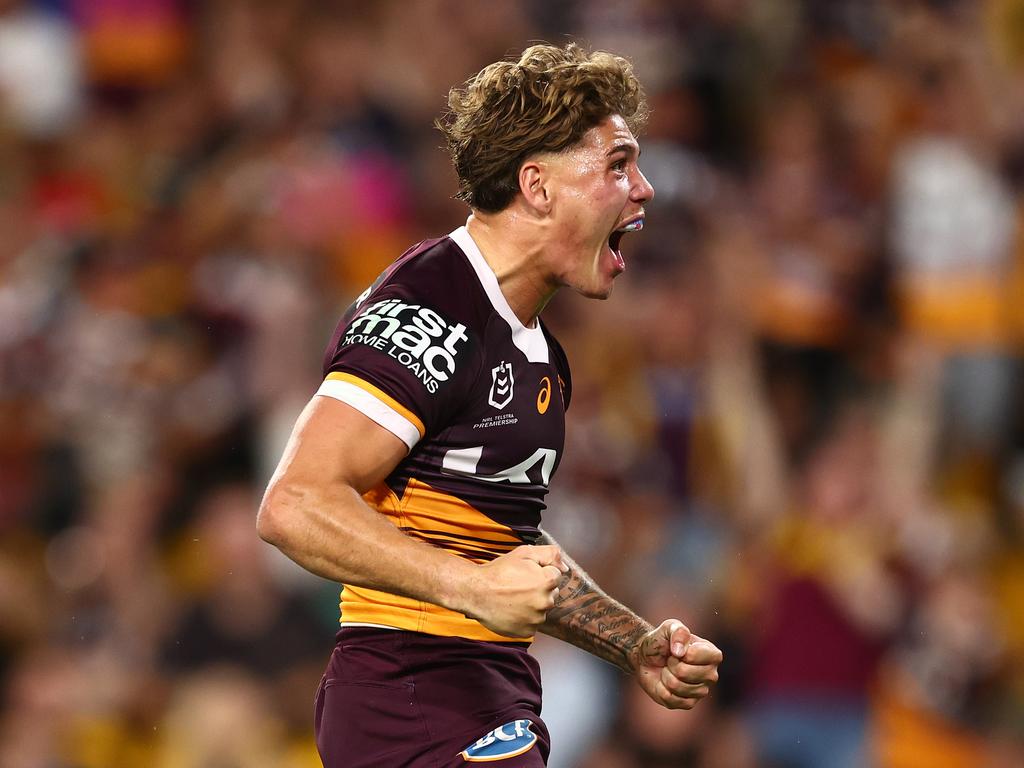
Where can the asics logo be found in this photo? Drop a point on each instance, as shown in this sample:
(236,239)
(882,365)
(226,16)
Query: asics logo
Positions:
(544,396)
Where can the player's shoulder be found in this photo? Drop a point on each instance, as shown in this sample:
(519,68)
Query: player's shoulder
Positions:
(414,333)
(434,273)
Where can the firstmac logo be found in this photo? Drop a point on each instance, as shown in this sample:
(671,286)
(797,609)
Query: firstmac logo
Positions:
(419,338)
(502,382)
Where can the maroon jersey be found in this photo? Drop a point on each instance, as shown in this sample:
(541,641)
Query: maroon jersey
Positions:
(433,353)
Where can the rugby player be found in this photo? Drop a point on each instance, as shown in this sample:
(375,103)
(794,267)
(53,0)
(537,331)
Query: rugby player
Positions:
(416,475)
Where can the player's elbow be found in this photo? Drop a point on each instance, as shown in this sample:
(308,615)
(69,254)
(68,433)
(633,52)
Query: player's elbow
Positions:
(273,519)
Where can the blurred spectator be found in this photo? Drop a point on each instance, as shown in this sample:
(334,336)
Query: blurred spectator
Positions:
(40,71)
(238,613)
(829,574)
(223,717)
(131,43)
(953,230)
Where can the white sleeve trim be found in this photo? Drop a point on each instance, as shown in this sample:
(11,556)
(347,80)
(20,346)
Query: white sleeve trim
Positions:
(372,408)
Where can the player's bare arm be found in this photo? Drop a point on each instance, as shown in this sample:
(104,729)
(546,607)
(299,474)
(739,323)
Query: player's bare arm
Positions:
(589,619)
(313,511)
(673,666)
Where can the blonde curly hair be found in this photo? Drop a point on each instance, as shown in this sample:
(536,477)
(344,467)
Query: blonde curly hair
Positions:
(544,102)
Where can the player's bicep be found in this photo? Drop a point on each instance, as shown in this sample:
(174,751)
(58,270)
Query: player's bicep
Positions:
(334,442)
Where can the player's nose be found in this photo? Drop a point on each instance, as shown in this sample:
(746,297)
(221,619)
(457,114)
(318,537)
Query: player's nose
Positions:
(642,190)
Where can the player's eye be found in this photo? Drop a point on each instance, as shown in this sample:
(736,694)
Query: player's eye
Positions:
(619,165)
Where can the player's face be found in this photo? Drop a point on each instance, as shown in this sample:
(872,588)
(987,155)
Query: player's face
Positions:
(598,193)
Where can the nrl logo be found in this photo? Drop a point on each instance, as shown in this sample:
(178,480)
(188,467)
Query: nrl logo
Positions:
(502,382)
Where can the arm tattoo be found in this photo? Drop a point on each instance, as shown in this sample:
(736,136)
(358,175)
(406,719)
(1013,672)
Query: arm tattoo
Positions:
(586,617)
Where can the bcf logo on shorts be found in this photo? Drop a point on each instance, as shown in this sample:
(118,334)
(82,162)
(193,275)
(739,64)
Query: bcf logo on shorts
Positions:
(505,741)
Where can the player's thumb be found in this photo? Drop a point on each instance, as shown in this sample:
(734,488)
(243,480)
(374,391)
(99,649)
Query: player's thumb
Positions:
(678,637)
(546,554)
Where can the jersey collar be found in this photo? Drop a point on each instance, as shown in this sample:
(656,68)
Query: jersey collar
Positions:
(529,341)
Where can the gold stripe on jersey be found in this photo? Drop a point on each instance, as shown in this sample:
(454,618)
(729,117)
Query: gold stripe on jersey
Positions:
(371,606)
(446,522)
(384,397)
(428,509)
(471,550)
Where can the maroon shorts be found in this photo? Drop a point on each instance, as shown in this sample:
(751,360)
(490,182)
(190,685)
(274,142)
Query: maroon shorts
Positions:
(393,698)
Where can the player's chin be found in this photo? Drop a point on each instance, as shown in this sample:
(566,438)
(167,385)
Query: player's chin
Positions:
(597,281)
(598,287)
(597,293)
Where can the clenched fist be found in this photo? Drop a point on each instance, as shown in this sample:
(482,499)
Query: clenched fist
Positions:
(512,594)
(674,667)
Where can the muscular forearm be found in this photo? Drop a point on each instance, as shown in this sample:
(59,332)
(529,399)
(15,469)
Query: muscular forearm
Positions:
(673,666)
(329,530)
(586,617)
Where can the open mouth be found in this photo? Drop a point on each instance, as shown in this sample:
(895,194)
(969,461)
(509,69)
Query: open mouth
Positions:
(615,239)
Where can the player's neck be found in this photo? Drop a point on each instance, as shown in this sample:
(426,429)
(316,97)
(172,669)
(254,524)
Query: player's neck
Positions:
(513,248)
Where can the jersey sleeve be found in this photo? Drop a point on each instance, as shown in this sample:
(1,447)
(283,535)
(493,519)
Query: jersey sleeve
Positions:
(403,361)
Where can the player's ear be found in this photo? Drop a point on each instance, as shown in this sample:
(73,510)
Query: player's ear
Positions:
(533,184)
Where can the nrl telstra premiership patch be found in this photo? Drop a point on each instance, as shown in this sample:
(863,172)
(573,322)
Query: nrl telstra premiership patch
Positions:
(505,741)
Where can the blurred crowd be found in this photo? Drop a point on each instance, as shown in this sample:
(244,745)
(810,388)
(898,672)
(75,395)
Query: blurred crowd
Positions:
(797,424)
